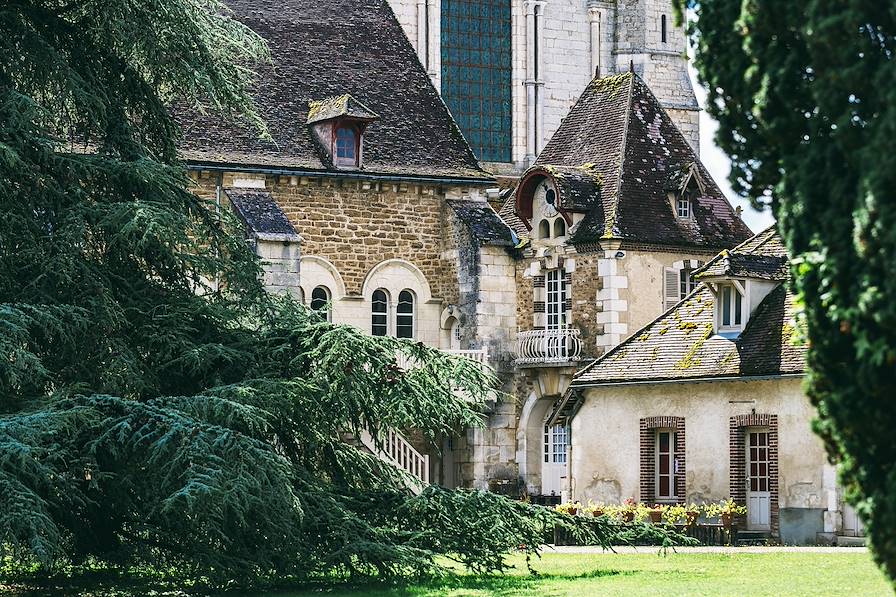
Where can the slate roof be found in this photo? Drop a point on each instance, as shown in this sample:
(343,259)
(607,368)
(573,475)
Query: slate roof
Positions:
(331,49)
(334,107)
(483,223)
(762,256)
(263,217)
(619,131)
(679,344)
(508,214)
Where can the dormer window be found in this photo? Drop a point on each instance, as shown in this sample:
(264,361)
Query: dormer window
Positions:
(730,310)
(683,207)
(339,124)
(346,153)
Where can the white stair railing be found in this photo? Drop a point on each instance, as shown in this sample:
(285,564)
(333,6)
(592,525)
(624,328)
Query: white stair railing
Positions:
(398,451)
(548,346)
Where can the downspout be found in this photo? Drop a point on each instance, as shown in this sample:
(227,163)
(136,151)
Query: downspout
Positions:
(422,51)
(539,76)
(434,42)
(594,17)
(219,189)
(530,81)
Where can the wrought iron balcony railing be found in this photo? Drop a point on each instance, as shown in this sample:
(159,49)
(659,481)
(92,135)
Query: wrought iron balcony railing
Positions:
(548,346)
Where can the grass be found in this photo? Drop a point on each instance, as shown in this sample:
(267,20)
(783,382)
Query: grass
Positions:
(676,574)
(848,572)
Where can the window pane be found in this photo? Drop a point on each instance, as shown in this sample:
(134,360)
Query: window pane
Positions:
(726,305)
(404,324)
(345,143)
(320,297)
(664,442)
(664,486)
(379,318)
(737,308)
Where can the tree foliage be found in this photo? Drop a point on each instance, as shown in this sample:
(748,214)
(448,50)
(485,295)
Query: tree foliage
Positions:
(156,406)
(804,95)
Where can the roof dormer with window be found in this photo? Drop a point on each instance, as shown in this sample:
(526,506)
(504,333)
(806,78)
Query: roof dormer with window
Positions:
(684,186)
(739,282)
(338,124)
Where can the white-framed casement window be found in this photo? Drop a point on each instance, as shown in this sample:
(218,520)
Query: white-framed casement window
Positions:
(731,303)
(404,319)
(556,438)
(379,313)
(665,465)
(555,305)
(686,282)
(683,207)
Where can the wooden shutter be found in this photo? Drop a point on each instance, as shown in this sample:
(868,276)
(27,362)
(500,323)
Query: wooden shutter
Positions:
(671,289)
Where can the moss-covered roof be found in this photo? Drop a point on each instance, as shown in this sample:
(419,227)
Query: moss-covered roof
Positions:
(621,135)
(680,344)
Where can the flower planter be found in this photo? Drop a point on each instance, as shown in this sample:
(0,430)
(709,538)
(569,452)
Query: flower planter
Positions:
(572,511)
(597,513)
(656,516)
(628,516)
(692,517)
(726,519)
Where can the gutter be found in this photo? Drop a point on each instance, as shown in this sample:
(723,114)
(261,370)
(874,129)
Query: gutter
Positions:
(490,181)
(575,386)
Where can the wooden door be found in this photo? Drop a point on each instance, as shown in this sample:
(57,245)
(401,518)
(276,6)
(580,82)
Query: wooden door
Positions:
(758,494)
(555,467)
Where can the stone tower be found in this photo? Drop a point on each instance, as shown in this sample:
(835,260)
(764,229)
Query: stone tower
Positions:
(510,70)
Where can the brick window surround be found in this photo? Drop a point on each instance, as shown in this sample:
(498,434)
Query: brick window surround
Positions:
(737,477)
(648,427)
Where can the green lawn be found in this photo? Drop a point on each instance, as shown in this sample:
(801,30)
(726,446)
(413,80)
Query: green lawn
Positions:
(698,574)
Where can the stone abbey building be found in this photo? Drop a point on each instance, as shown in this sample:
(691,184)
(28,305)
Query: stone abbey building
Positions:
(369,204)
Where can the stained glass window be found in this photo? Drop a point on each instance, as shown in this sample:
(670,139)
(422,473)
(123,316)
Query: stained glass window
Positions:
(476,73)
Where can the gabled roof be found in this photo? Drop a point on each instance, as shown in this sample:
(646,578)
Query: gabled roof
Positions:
(619,130)
(330,49)
(483,223)
(338,106)
(762,256)
(262,215)
(679,344)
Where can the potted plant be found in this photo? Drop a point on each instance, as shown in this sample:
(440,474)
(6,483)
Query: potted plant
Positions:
(629,507)
(571,508)
(692,512)
(656,513)
(594,510)
(726,510)
(674,514)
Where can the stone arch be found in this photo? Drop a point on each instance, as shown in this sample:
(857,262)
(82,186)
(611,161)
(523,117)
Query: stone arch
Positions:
(396,275)
(316,271)
(529,440)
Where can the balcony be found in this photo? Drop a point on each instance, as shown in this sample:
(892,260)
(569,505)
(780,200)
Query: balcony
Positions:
(548,347)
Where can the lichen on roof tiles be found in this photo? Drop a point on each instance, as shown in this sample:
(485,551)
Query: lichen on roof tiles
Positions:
(334,107)
(620,131)
(679,344)
(331,49)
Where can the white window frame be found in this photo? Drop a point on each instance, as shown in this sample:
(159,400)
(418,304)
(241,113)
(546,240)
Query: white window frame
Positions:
(327,309)
(738,290)
(673,459)
(556,443)
(683,207)
(412,314)
(385,313)
(686,282)
(556,293)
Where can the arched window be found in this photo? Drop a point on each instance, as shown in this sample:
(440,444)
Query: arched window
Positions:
(663,28)
(320,301)
(346,145)
(379,323)
(455,335)
(404,324)
(544,229)
(559,227)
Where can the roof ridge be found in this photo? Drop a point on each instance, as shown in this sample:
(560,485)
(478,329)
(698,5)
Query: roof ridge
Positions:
(773,227)
(623,147)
